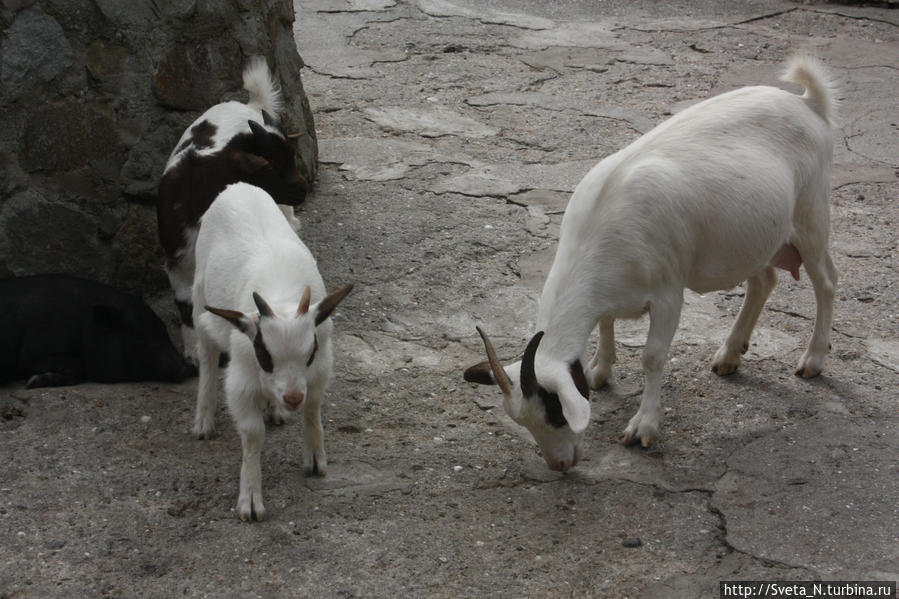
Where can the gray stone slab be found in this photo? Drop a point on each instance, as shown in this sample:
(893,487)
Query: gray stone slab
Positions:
(555,102)
(374,159)
(442,8)
(356,478)
(332,6)
(884,352)
(502,180)
(327,50)
(374,353)
(818,494)
(596,35)
(431,121)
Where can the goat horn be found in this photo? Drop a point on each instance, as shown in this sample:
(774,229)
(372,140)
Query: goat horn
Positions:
(304,301)
(498,372)
(263,308)
(528,376)
(297,135)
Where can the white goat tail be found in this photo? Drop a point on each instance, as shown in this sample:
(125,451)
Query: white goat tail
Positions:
(820,87)
(265,94)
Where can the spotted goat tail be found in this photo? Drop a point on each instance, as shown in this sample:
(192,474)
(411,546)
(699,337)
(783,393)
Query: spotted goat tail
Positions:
(265,94)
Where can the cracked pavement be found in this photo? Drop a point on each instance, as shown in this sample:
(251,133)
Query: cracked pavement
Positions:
(451,133)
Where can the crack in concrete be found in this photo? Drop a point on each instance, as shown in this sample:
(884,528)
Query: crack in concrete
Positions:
(854,17)
(766,16)
(723,25)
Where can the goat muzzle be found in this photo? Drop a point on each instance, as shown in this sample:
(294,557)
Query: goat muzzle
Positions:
(293,400)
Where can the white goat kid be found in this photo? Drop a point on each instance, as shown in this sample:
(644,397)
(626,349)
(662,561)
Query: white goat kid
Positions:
(721,193)
(271,316)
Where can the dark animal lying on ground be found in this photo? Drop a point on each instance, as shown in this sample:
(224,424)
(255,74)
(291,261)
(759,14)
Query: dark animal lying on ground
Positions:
(60,330)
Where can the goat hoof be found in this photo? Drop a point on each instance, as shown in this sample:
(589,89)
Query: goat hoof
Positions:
(316,468)
(641,429)
(807,372)
(724,369)
(251,508)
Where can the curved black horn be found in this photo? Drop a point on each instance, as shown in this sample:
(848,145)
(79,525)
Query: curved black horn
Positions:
(498,373)
(528,376)
(263,308)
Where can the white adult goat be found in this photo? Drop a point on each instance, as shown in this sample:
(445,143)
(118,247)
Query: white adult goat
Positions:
(722,192)
(280,352)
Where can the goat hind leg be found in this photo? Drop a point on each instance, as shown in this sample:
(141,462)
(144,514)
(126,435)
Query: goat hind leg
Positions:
(823,275)
(758,288)
(601,364)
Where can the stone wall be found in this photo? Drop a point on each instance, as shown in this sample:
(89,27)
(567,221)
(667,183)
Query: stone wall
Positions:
(94,95)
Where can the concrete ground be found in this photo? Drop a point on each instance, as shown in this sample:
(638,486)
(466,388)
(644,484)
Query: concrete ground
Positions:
(451,134)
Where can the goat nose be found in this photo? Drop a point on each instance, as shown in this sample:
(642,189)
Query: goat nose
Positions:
(293,400)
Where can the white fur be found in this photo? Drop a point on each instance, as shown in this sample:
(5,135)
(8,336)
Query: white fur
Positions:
(245,245)
(265,94)
(704,201)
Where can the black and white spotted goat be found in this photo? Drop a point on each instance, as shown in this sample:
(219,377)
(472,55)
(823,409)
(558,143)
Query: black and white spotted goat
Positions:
(228,143)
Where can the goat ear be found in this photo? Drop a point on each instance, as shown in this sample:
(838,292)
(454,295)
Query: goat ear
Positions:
(268,120)
(480,373)
(575,405)
(250,163)
(327,305)
(579,378)
(242,322)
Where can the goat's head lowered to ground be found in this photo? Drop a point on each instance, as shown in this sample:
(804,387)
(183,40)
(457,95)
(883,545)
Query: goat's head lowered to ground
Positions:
(546,396)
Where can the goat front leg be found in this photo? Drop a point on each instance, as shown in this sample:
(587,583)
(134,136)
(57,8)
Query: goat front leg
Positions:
(601,364)
(251,426)
(758,288)
(664,315)
(315,462)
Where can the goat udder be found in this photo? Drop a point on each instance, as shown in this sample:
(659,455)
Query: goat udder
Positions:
(788,259)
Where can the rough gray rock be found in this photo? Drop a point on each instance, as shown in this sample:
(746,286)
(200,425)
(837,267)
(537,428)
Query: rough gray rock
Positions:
(95,94)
